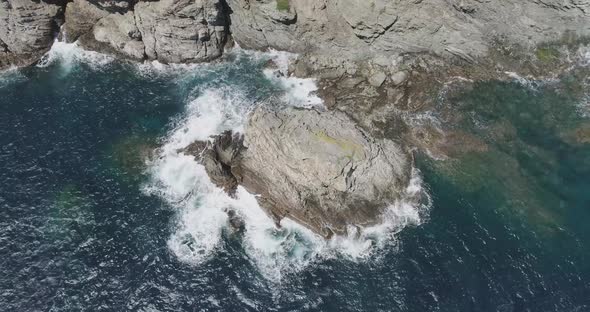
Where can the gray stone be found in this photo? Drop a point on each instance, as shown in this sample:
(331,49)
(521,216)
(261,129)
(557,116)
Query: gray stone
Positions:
(171,31)
(121,33)
(399,77)
(179,31)
(377,79)
(81,16)
(359,30)
(218,158)
(26,30)
(316,168)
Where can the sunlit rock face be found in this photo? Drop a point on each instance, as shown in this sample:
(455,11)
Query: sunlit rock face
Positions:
(26,30)
(317,168)
(170,31)
(359,29)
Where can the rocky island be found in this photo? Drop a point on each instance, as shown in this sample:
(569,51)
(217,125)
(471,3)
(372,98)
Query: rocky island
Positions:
(379,64)
(317,168)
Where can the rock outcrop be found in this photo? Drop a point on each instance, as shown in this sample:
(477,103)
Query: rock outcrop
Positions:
(27,30)
(171,31)
(352,30)
(81,16)
(357,30)
(317,168)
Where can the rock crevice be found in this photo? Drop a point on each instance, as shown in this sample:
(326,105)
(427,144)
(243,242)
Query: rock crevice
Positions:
(170,31)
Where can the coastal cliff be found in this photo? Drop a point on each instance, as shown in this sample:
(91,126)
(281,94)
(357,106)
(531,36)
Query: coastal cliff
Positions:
(345,30)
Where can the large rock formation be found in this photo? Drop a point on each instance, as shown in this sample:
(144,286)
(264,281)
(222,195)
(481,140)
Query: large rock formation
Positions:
(357,29)
(80,17)
(171,31)
(197,30)
(317,168)
(27,30)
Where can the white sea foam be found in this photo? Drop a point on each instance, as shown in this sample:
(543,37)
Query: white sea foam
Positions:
(528,82)
(201,207)
(155,68)
(301,92)
(67,55)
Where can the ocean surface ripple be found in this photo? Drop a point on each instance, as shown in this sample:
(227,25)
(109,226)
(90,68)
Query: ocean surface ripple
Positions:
(101,211)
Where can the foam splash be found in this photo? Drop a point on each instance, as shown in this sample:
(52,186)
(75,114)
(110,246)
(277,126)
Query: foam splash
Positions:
(150,69)
(68,55)
(202,222)
(300,92)
(202,207)
(184,184)
(527,82)
(532,83)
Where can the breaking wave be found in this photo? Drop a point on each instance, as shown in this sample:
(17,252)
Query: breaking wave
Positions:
(201,223)
(68,55)
(297,91)
(219,101)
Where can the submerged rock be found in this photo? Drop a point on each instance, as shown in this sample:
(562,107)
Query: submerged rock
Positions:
(316,168)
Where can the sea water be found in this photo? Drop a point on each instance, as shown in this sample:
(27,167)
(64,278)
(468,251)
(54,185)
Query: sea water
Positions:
(100,210)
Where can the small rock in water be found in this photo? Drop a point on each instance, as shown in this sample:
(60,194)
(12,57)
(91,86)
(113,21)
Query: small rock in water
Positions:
(235,221)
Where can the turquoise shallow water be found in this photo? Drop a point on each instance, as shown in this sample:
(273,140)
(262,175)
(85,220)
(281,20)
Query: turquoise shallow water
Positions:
(81,230)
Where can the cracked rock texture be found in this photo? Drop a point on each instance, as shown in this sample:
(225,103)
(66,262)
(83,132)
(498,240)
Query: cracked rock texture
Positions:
(171,31)
(317,168)
(356,29)
(353,30)
(26,30)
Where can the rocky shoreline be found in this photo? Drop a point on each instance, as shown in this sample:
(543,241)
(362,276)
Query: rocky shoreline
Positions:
(382,66)
(336,36)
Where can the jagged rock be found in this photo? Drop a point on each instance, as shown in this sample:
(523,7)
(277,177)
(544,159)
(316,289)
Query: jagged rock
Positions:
(218,157)
(81,16)
(26,30)
(377,79)
(236,223)
(317,168)
(399,78)
(171,31)
(180,31)
(121,33)
(358,30)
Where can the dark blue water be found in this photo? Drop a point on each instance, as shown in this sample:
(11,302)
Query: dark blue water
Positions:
(508,229)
